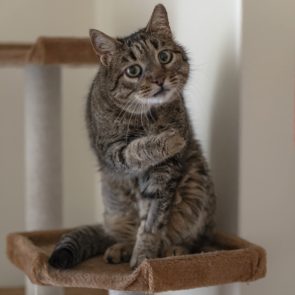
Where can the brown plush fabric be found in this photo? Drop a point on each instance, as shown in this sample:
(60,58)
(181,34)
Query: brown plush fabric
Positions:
(49,50)
(230,259)
(14,53)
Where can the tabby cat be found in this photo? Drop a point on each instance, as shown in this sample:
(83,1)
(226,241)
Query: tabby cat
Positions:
(157,191)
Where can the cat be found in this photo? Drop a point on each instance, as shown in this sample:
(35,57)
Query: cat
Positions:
(157,191)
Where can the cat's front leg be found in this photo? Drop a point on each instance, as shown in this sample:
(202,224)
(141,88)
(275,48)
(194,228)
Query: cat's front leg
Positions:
(146,247)
(148,151)
(157,189)
(148,240)
(142,153)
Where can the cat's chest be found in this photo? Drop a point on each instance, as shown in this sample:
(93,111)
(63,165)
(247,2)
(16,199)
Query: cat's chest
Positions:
(131,126)
(148,124)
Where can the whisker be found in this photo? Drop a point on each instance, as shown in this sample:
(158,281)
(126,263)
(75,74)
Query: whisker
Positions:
(123,109)
(128,125)
(126,107)
(147,119)
(141,108)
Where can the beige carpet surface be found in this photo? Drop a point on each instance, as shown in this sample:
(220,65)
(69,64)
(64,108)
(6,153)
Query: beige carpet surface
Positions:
(230,259)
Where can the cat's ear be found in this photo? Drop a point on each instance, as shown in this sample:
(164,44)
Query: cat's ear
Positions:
(159,22)
(103,45)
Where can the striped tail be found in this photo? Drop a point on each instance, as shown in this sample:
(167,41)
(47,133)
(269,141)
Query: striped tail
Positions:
(80,244)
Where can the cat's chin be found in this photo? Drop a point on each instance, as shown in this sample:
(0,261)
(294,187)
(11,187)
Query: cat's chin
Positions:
(156,100)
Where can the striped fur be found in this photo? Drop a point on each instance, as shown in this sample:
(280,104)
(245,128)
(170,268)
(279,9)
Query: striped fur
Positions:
(157,191)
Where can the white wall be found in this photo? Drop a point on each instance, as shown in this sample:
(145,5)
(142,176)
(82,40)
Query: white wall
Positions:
(267,169)
(24,21)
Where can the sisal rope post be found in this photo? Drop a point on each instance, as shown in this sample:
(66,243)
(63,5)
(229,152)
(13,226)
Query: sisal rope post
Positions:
(43,193)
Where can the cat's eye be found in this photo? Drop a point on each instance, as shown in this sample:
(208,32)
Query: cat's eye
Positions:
(165,56)
(133,71)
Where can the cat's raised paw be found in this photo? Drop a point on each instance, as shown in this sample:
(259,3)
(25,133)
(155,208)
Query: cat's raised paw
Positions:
(174,142)
(118,253)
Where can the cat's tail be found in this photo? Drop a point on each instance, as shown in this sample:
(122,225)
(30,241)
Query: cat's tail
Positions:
(79,245)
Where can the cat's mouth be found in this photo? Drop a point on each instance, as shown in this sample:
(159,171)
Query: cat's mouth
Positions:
(162,91)
(160,96)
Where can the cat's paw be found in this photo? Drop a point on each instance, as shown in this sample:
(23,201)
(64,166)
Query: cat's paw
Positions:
(175,250)
(62,258)
(137,259)
(174,142)
(117,253)
(139,255)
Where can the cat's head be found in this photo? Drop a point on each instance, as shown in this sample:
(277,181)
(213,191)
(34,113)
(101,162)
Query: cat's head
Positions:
(147,68)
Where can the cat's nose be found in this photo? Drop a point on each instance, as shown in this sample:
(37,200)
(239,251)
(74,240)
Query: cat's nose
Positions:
(158,80)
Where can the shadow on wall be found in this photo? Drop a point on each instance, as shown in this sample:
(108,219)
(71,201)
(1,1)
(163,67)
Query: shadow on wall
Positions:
(224,140)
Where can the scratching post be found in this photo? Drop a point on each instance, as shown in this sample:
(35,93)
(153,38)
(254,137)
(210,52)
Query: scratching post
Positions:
(43,63)
(43,195)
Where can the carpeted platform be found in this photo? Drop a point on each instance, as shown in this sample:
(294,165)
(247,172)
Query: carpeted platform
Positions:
(230,259)
(48,51)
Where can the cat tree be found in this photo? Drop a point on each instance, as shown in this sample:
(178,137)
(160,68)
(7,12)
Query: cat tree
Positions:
(228,260)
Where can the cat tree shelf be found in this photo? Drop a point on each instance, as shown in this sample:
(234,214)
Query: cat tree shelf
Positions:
(229,259)
(48,51)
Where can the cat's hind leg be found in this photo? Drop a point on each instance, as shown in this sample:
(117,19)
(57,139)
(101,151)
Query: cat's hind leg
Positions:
(80,244)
